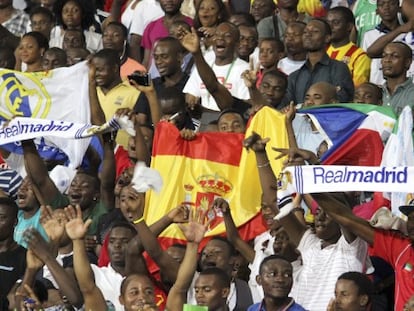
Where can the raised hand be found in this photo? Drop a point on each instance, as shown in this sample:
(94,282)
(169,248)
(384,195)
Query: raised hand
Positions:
(296,156)
(250,76)
(179,214)
(290,111)
(37,244)
(189,40)
(197,226)
(207,32)
(53,222)
(135,203)
(222,205)
(143,88)
(255,142)
(76,229)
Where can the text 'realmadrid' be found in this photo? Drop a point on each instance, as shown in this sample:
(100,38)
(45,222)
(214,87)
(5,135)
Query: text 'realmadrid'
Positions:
(19,128)
(351,174)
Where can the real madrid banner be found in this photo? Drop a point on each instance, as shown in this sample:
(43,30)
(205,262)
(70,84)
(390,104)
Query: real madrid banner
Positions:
(60,94)
(335,178)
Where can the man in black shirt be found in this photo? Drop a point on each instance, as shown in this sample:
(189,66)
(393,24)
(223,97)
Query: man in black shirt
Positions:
(12,255)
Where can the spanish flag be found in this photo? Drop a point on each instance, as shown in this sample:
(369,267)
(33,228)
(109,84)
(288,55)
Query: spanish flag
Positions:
(213,165)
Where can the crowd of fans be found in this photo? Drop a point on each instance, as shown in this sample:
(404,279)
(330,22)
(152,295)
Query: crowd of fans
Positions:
(78,239)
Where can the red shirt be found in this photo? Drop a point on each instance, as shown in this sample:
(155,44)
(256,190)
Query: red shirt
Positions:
(398,252)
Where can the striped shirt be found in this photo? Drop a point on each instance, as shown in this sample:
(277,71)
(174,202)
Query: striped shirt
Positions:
(10,181)
(322,267)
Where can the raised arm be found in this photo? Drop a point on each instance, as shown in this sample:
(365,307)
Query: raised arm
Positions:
(219,92)
(194,233)
(334,204)
(376,48)
(268,181)
(167,264)
(76,229)
(232,233)
(37,172)
(97,113)
(151,95)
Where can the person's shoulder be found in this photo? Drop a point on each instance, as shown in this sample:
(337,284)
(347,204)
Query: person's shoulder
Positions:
(296,307)
(254,307)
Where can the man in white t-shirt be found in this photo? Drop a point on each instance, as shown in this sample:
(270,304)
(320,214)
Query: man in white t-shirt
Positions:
(327,252)
(296,53)
(108,279)
(226,66)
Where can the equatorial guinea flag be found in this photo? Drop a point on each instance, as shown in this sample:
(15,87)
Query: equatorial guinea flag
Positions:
(355,133)
(213,165)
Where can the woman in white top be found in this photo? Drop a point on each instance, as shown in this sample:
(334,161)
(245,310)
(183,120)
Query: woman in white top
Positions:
(75,14)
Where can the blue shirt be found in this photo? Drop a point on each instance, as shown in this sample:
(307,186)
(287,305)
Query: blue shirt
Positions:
(23,224)
(293,306)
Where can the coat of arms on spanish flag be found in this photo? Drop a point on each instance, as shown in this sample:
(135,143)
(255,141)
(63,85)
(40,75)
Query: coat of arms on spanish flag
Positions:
(213,165)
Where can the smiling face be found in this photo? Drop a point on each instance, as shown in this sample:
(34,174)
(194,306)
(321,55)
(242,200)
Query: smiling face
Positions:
(105,73)
(83,191)
(29,50)
(225,41)
(167,59)
(208,13)
(139,291)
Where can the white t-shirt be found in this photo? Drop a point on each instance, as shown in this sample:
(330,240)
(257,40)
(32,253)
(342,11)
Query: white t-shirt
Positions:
(263,250)
(93,40)
(306,137)
(109,282)
(370,37)
(229,75)
(263,247)
(322,267)
(287,65)
(138,18)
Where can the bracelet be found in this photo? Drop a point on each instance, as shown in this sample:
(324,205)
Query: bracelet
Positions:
(137,221)
(263,165)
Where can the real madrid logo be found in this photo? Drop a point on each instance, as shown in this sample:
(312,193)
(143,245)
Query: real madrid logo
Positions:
(23,95)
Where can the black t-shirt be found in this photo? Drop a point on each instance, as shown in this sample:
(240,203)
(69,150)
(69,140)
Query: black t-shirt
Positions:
(12,267)
(142,105)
